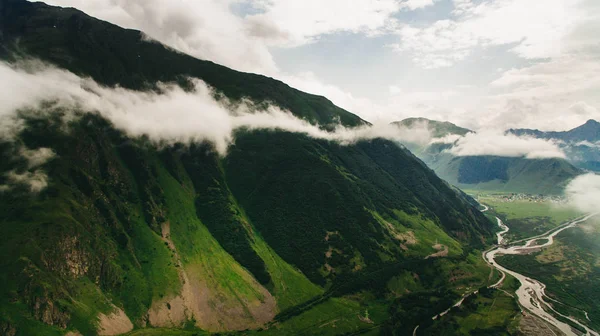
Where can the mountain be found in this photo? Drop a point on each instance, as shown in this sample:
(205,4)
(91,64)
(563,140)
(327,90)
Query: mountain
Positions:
(439,129)
(590,131)
(508,174)
(580,143)
(284,234)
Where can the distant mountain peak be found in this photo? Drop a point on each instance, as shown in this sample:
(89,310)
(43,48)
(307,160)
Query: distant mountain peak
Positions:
(438,128)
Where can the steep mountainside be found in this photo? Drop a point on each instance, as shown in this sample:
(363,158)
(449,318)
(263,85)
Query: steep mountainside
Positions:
(580,144)
(285,232)
(510,174)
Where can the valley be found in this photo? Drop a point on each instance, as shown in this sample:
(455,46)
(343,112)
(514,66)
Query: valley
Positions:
(542,300)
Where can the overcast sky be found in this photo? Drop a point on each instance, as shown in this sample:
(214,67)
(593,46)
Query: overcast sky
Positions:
(493,64)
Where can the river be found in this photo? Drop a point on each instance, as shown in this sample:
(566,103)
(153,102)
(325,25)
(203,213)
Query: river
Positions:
(531,293)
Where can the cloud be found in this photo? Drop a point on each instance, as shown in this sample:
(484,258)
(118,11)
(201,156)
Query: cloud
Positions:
(172,116)
(304,21)
(209,29)
(206,29)
(509,145)
(36,157)
(583,193)
(36,181)
(549,58)
(448,139)
(586,143)
(444,42)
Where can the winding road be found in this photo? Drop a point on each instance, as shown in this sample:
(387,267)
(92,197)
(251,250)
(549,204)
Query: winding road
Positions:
(531,293)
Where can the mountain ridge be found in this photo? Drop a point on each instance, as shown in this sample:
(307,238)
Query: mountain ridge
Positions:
(589,131)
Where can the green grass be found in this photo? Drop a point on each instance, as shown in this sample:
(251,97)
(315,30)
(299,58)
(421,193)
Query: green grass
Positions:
(334,316)
(493,312)
(87,302)
(526,218)
(200,252)
(290,286)
(426,232)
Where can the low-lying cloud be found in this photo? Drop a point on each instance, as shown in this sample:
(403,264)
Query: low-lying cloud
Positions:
(171,116)
(36,181)
(583,193)
(509,145)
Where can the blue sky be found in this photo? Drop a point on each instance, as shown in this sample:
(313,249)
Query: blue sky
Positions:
(478,63)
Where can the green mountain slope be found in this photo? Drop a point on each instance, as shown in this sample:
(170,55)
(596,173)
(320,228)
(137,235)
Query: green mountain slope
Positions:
(284,232)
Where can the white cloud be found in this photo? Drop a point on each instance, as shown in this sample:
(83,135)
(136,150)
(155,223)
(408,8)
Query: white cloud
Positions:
(537,29)
(546,93)
(37,157)
(173,116)
(583,193)
(206,29)
(304,21)
(448,139)
(586,143)
(509,145)
(418,4)
(36,180)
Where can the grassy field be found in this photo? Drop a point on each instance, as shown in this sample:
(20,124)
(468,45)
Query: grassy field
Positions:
(526,218)
(486,313)
(334,316)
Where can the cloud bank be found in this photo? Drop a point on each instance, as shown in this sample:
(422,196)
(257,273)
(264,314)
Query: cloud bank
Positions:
(583,193)
(499,144)
(171,116)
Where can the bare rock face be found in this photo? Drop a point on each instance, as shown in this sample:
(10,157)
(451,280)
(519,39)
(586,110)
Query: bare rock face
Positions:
(68,258)
(115,323)
(46,310)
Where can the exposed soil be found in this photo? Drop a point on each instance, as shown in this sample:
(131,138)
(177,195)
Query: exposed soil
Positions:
(204,301)
(442,251)
(115,323)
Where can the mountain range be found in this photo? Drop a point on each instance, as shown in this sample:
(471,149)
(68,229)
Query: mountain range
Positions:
(498,173)
(284,234)
(580,143)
